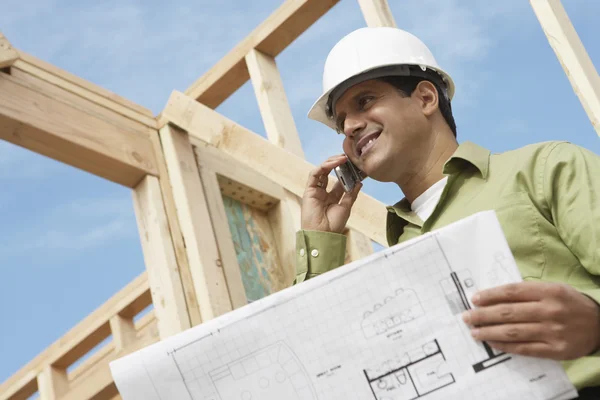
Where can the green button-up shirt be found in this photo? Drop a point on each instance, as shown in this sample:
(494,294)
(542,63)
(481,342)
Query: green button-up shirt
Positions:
(547,199)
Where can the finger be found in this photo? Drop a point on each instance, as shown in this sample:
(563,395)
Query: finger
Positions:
(505,313)
(531,349)
(349,198)
(321,173)
(525,332)
(513,292)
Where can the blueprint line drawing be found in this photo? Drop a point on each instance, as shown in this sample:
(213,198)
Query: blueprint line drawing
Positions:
(386,327)
(417,373)
(404,306)
(272,372)
(458,289)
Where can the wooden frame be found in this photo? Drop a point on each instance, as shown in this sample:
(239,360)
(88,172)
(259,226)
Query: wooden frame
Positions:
(177,165)
(8,55)
(219,172)
(47,372)
(571,54)
(257,153)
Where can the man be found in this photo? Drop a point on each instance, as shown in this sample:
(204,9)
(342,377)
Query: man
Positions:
(385,92)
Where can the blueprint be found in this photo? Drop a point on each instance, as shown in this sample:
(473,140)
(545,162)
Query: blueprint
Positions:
(387,327)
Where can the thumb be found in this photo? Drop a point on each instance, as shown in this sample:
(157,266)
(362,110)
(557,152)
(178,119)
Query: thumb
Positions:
(349,198)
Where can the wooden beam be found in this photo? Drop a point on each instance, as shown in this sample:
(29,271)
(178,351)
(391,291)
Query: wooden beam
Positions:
(377,13)
(228,167)
(83,87)
(163,272)
(39,121)
(282,167)
(25,391)
(176,235)
(277,32)
(194,218)
(81,103)
(272,102)
(572,55)
(97,96)
(8,55)
(218,215)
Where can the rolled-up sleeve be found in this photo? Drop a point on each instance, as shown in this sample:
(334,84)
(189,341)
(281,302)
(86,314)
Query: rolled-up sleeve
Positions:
(318,252)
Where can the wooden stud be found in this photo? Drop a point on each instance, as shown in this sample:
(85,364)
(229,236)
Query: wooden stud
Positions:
(271,37)
(123,332)
(572,55)
(377,13)
(196,225)
(187,282)
(41,122)
(163,272)
(231,268)
(285,218)
(267,159)
(272,102)
(52,383)
(93,379)
(8,55)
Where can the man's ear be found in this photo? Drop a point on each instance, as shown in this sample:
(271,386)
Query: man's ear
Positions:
(427,95)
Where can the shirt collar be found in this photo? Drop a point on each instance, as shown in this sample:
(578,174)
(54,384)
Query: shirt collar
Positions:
(467,154)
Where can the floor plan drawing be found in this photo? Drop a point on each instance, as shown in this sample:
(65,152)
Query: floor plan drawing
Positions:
(459,288)
(386,327)
(415,374)
(404,306)
(272,372)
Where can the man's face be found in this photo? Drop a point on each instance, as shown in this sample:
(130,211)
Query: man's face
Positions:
(384,131)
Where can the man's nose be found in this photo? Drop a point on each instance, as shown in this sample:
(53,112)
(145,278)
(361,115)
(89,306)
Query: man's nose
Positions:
(353,126)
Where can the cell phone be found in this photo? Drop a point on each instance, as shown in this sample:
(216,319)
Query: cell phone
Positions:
(349,175)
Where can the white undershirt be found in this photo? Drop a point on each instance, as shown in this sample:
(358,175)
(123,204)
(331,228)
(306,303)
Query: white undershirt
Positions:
(424,205)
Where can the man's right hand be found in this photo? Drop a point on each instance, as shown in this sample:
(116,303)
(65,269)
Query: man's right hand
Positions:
(322,210)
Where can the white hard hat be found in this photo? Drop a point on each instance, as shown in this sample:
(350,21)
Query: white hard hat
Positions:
(369,53)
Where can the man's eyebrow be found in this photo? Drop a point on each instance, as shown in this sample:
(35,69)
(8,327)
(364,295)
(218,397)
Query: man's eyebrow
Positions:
(361,93)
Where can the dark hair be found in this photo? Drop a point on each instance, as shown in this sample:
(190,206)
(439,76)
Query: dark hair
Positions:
(407,84)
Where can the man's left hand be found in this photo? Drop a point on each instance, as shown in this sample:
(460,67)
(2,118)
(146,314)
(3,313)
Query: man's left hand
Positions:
(538,319)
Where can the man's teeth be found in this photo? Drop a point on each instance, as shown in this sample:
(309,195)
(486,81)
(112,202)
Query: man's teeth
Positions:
(367,146)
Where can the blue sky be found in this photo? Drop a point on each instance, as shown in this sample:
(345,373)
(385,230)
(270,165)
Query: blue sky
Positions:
(69,241)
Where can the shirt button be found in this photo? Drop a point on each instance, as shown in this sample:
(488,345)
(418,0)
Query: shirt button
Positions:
(314,253)
(302,252)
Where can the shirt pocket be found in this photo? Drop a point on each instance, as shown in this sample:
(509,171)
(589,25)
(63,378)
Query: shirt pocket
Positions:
(519,220)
